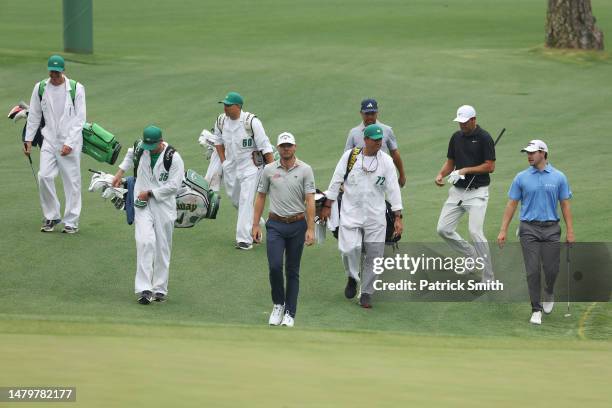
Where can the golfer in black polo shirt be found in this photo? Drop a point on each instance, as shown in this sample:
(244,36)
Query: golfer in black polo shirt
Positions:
(471,154)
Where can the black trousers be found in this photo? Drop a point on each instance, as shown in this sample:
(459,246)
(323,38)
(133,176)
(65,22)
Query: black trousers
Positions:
(541,247)
(285,240)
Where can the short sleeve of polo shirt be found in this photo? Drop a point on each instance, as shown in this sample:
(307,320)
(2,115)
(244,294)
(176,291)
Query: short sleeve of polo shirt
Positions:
(309,182)
(451,148)
(391,140)
(565,193)
(515,193)
(264,180)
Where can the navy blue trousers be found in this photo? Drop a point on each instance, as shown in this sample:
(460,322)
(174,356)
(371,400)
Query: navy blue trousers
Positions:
(285,240)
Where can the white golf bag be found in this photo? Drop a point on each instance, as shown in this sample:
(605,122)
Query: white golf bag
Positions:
(194,200)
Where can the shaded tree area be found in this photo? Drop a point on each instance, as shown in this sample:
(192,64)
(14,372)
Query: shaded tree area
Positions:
(570,24)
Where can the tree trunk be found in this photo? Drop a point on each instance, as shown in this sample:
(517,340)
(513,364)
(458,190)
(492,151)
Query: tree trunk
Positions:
(570,24)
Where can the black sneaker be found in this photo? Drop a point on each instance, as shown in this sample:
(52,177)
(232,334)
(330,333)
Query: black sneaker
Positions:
(48,225)
(70,230)
(145,297)
(351,288)
(244,246)
(160,297)
(365,301)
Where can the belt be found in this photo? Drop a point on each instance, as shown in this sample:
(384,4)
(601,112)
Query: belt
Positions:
(286,220)
(542,223)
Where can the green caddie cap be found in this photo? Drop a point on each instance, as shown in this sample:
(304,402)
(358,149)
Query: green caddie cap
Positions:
(233,98)
(55,63)
(373,132)
(151,137)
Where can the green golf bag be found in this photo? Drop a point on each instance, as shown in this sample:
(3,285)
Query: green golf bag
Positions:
(100,144)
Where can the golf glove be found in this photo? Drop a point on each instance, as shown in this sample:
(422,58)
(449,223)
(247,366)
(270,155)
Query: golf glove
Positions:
(454,177)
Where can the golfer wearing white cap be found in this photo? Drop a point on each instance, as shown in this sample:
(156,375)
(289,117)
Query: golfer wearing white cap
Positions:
(290,225)
(539,188)
(471,155)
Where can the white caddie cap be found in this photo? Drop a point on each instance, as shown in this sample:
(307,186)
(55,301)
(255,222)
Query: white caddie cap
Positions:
(285,137)
(534,146)
(465,113)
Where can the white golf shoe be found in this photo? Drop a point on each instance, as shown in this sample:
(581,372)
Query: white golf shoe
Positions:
(548,303)
(276,317)
(536,318)
(287,320)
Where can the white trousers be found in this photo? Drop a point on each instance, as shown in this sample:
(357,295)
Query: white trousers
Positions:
(241,189)
(350,243)
(153,233)
(69,168)
(475,205)
(214,172)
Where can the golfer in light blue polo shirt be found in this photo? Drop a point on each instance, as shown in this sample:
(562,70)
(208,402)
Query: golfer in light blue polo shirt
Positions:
(539,188)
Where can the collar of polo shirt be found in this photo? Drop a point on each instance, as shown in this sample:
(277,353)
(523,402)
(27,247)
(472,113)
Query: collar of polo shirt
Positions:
(547,169)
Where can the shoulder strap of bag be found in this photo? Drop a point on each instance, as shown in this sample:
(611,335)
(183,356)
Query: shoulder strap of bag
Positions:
(351,161)
(168,155)
(42,85)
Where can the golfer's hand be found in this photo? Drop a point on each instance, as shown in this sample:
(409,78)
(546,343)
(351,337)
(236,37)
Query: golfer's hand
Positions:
(66,150)
(398,227)
(256,233)
(501,239)
(309,240)
(569,238)
(117,180)
(143,196)
(27,148)
(325,212)
(402,181)
(439,180)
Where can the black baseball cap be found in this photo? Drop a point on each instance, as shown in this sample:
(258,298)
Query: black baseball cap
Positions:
(369,105)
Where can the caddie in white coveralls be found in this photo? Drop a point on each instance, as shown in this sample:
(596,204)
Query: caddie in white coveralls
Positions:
(362,212)
(240,139)
(61,149)
(155,212)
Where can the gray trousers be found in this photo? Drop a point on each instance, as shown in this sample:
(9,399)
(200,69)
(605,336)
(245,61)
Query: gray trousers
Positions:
(541,251)
(474,202)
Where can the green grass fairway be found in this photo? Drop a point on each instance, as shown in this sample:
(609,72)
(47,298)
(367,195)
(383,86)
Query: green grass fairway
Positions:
(245,366)
(68,315)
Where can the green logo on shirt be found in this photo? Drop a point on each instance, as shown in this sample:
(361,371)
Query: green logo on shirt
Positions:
(163,176)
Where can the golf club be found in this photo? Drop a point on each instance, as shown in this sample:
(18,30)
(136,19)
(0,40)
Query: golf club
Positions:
(33,172)
(567,259)
(473,176)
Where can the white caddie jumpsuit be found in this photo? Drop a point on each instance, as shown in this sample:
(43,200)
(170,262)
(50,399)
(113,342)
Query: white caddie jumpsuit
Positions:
(240,175)
(154,223)
(57,133)
(362,213)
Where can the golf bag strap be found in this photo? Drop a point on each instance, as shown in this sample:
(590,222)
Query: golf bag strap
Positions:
(351,161)
(168,155)
(137,154)
(248,123)
(42,85)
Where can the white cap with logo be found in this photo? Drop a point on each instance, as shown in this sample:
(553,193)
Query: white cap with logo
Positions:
(534,146)
(465,113)
(285,137)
